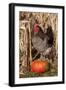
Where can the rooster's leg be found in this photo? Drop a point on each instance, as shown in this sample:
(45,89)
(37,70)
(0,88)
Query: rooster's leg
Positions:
(42,56)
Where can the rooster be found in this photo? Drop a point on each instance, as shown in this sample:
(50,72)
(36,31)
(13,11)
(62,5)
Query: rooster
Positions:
(42,41)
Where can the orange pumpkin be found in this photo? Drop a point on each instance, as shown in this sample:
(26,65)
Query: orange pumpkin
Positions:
(39,66)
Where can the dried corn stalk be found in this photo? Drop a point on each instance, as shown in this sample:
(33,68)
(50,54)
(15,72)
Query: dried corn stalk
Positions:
(25,46)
